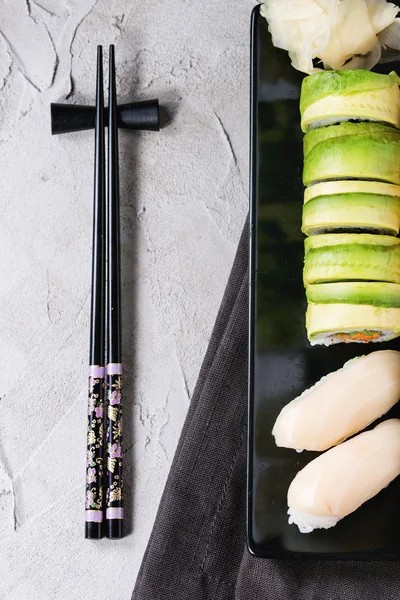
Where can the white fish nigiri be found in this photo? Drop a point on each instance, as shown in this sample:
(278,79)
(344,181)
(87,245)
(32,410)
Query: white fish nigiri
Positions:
(341,404)
(339,481)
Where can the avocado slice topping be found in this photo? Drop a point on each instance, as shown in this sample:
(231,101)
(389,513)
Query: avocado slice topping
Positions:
(372,293)
(335,96)
(373,156)
(351,257)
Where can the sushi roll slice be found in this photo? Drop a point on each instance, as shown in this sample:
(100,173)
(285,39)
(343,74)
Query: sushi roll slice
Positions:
(339,481)
(370,156)
(351,205)
(316,136)
(341,404)
(335,96)
(351,257)
(329,324)
(357,311)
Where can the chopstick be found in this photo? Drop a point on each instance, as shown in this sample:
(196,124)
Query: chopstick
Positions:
(114,465)
(95,431)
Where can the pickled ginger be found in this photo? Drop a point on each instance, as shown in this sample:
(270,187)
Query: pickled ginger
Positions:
(342,34)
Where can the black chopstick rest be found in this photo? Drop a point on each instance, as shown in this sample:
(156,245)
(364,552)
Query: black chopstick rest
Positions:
(68,118)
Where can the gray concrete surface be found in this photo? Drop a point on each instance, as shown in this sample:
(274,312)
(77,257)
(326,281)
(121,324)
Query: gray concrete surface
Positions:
(184,201)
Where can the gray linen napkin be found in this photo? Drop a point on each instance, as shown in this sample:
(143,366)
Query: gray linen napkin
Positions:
(197,548)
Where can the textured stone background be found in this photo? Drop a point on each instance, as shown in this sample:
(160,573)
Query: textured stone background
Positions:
(184,201)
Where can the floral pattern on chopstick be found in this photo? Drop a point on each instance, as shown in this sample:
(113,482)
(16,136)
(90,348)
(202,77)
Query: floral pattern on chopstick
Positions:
(114,451)
(95,441)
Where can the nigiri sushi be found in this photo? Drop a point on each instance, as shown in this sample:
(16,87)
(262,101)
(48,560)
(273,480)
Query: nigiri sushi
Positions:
(341,404)
(339,481)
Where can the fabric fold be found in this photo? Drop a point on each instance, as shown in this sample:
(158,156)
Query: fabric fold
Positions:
(197,547)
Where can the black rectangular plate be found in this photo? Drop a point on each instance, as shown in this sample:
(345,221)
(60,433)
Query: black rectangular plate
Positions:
(281,361)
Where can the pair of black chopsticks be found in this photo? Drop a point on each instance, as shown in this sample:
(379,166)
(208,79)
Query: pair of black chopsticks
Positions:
(104,487)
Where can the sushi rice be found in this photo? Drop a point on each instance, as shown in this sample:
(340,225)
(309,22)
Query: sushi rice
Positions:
(307,523)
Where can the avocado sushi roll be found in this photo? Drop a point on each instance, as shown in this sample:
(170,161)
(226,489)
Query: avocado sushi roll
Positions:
(337,206)
(315,136)
(359,312)
(369,156)
(351,257)
(334,96)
